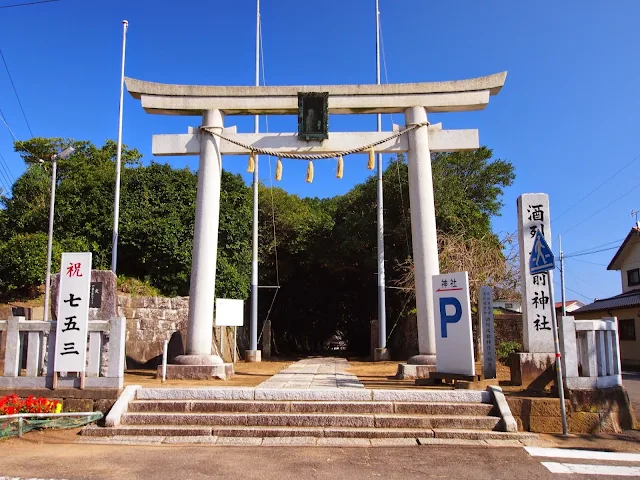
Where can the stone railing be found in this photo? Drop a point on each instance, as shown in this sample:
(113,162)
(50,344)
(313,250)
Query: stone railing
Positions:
(105,357)
(591,353)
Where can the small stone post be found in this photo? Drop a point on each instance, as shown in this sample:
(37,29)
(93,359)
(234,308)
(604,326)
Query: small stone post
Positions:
(266,340)
(485,310)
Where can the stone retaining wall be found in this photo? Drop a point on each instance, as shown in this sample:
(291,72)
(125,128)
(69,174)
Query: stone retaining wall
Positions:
(588,411)
(151,321)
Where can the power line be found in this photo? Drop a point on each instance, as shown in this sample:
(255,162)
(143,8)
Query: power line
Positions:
(597,246)
(574,291)
(3,171)
(590,263)
(603,208)
(16,92)
(591,253)
(595,189)
(28,3)
(4,120)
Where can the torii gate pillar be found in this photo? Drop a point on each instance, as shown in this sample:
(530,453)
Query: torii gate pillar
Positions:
(423,232)
(205,249)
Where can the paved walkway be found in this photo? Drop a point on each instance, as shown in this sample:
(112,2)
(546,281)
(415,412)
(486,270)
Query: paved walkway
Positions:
(324,372)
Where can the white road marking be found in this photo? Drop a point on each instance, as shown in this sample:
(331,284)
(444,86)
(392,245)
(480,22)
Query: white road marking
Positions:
(582,454)
(555,467)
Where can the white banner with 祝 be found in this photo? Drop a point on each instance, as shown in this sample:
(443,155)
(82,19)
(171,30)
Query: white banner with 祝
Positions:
(454,337)
(73,313)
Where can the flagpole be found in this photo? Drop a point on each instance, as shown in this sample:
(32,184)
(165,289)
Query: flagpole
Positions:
(382,315)
(255,356)
(116,201)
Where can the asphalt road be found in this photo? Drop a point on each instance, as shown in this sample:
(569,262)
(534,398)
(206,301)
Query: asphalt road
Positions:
(195,462)
(631,381)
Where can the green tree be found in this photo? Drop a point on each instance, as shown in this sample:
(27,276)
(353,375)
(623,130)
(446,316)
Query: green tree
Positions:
(23,263)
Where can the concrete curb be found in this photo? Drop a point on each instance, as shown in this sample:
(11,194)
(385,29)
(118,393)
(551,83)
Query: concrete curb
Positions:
(510,424)
(120,407)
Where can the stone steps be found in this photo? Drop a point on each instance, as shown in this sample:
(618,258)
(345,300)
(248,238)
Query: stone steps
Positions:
(215,415)
(314,420)
(245,406)
(296,432)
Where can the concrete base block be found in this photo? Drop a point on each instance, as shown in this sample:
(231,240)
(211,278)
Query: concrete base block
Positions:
(197,372)
(381,355)
(411,372)
(422,360)
(198,360)
(254,356)
(534,371)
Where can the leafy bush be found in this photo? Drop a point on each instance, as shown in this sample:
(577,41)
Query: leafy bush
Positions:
(137,288)
(507,348)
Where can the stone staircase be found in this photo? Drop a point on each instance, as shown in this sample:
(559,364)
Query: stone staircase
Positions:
(242,413)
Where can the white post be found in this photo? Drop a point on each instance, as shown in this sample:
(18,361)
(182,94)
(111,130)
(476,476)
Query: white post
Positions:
(253,355)
(52,201)
(205,248)
(423,230)
(164,360)
(116,202)
(381,354)
(235,344)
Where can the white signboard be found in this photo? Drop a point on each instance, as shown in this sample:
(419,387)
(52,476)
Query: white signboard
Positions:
(485,309)
(533,218)
(229,312)
(454,337)
(73,312)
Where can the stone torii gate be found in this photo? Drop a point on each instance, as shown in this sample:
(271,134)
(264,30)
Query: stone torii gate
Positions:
(213,103)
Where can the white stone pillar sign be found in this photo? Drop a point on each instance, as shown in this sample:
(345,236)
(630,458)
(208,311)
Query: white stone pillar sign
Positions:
(534,216)
(73,313)
(454,337)
(485,309)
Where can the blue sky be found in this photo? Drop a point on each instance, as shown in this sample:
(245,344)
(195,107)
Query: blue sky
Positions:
(567,117)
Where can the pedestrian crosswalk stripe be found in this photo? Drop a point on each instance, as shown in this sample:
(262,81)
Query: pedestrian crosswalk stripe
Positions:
(585,469)
(582,454)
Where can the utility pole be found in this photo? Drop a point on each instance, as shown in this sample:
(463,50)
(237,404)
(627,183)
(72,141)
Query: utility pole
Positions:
(562,294)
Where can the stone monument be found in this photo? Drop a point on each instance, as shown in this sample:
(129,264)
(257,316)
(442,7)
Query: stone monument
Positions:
(534,367)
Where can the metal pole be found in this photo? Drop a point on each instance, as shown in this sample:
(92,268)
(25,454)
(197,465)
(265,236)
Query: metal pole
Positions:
(47,281)
(116,201)
(556,344)
(254,261)
(564,304)
(382,316)
(235,344)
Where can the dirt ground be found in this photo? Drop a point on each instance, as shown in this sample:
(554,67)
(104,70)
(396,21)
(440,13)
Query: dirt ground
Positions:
(374,375)
(380,375)
(246,375)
